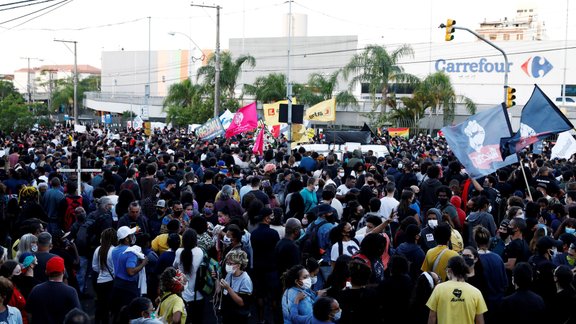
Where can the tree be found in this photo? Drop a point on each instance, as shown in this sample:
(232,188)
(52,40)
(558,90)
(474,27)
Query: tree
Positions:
(187,103)
(379,68)
(15,115)
(438,90)
(269,88)
(321,87)
(230,70)
(7,89)
(63,94)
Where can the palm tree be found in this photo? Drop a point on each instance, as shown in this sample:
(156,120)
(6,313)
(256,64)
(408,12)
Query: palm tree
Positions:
(438,88)
(269,88)
(186,104)
(229,72)
(378,68)
(321,87)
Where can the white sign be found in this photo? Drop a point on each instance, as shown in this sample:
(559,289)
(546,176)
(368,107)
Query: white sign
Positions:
(226,119)
(565,146)
(80,128)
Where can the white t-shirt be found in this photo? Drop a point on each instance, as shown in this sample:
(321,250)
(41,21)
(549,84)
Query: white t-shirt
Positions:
(336,204)
(388,205)
(348,248)
(103,274)
(342,190)
(189,292)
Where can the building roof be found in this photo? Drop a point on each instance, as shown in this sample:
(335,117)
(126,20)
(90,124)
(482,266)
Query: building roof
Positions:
(82,68)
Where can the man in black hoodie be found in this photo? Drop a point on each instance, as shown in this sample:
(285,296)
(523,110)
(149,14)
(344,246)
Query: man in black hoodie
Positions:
(428,188)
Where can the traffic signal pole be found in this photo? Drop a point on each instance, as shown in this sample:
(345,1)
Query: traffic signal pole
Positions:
(491,44)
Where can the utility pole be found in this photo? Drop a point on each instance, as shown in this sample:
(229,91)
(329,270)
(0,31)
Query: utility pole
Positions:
(288,82)
(29,79)
(75,80)
(147,90)
(217,58)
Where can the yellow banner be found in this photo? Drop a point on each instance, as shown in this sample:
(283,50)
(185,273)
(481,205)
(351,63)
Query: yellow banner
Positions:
(272,111)
(299,135)
(324,111)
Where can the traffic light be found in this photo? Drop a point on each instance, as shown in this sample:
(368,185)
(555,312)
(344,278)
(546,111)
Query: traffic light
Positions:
(510,96)
(450,29)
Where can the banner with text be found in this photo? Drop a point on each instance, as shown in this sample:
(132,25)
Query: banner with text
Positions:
(210,129)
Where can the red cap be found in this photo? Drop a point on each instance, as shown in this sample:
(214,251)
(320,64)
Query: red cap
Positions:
(55,264)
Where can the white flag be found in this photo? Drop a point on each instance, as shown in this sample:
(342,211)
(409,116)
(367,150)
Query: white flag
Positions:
(565,146)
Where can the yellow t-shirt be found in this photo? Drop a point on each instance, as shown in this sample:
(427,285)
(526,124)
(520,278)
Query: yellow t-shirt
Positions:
(456,302)
(431,256)
(171,305)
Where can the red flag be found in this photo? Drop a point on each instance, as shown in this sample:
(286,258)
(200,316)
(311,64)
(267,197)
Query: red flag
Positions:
(258,148)
(244,120)
(276,131)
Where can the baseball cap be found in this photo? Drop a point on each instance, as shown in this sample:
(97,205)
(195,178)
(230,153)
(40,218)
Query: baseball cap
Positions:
(124,231)
(26,259)
(161,203)
(324,209)
(547,242)
(55,265)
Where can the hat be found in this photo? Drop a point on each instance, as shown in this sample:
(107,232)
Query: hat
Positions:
(26,259)
(170,181)
(221,163)
(55,265)
(547,242)
(161,203)
(324,209)
(124,231)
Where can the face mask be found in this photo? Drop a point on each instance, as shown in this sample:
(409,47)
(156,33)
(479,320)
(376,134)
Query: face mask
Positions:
(314,280)
(553,252)
(504,235)
(571,260)
(432,223)
(304,221)
(207,211)
(226,240)
(443,201)
(341,174)
(307,283)
(221,220)
(510,231)
(230,268)
(469,261)
(34,248)
(569,230)
(133,240)
(490,208)
(177,213)
(521,216)
(253,160)
(337,315)
(316,188)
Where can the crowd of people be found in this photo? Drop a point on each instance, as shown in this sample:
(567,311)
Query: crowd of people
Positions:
(174,229)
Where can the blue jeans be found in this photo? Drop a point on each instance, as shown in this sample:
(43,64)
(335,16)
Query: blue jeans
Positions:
(82,274)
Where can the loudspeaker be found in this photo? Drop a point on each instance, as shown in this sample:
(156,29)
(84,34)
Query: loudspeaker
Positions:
(297,114)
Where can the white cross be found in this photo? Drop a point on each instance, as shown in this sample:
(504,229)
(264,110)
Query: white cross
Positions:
(79,170)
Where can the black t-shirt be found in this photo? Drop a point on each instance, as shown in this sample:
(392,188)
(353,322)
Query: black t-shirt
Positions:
(260,195)
(517,249)
(287,255)
(50,301)
(40,270)
(359,306)
(204,193)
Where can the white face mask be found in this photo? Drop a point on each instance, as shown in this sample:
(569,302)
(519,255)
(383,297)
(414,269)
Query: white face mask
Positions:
(226,240)
(316,188)
(133,240)
(34,248)
(314,280)
(307,283)
(230,268)
(304,221)
(337,315)
(341,174)
(253,160)
(432,223)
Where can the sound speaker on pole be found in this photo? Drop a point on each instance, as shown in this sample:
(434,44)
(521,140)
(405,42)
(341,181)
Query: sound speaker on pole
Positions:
(297,114)
(283,113)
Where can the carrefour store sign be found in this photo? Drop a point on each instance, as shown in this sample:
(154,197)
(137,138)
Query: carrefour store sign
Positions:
(534,66)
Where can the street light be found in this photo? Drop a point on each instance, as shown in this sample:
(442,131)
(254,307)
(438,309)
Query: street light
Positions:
(75,78)
(29,79)
(192,58)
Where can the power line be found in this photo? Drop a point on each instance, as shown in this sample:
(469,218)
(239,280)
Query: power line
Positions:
(88,27)
(17,2)
(33,12)
(62,4)
(26,5)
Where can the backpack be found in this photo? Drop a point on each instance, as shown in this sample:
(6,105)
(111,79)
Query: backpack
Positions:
(204,282)
(309,243)
(69,216)
(362,258)
(85,236)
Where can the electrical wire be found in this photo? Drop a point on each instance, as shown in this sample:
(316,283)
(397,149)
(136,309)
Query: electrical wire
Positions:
(32,13)
(87,27)
(62,4)
(17,2)
(26,5)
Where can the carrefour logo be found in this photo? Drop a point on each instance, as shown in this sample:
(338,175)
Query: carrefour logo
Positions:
(537,66)
(480,66)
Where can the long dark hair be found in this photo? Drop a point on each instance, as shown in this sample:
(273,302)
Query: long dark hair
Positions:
(107,240)
(189,241)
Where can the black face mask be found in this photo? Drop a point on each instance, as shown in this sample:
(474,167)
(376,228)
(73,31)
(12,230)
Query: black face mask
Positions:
(443,201)
(469,261)
(177,213)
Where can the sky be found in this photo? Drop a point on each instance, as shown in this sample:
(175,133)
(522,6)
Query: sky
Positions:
(112,25)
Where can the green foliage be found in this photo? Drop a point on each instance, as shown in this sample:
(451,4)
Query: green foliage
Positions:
(189,103)
(270,88)
(63,93)
(378,67)
(7,89)
(15,115)
(230,70)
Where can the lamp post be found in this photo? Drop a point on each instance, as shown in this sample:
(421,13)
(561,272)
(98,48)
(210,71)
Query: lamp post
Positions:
(75,78)
(29,79)
(173,33)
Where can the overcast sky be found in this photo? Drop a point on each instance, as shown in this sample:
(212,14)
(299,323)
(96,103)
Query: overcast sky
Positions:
(110,25)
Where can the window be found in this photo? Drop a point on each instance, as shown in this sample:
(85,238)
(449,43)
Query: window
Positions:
(519,37)
(506,36)
(570,90)
(493,36)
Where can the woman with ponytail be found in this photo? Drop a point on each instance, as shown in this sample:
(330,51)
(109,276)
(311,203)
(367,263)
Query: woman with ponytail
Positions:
(103,265)
(188,259)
